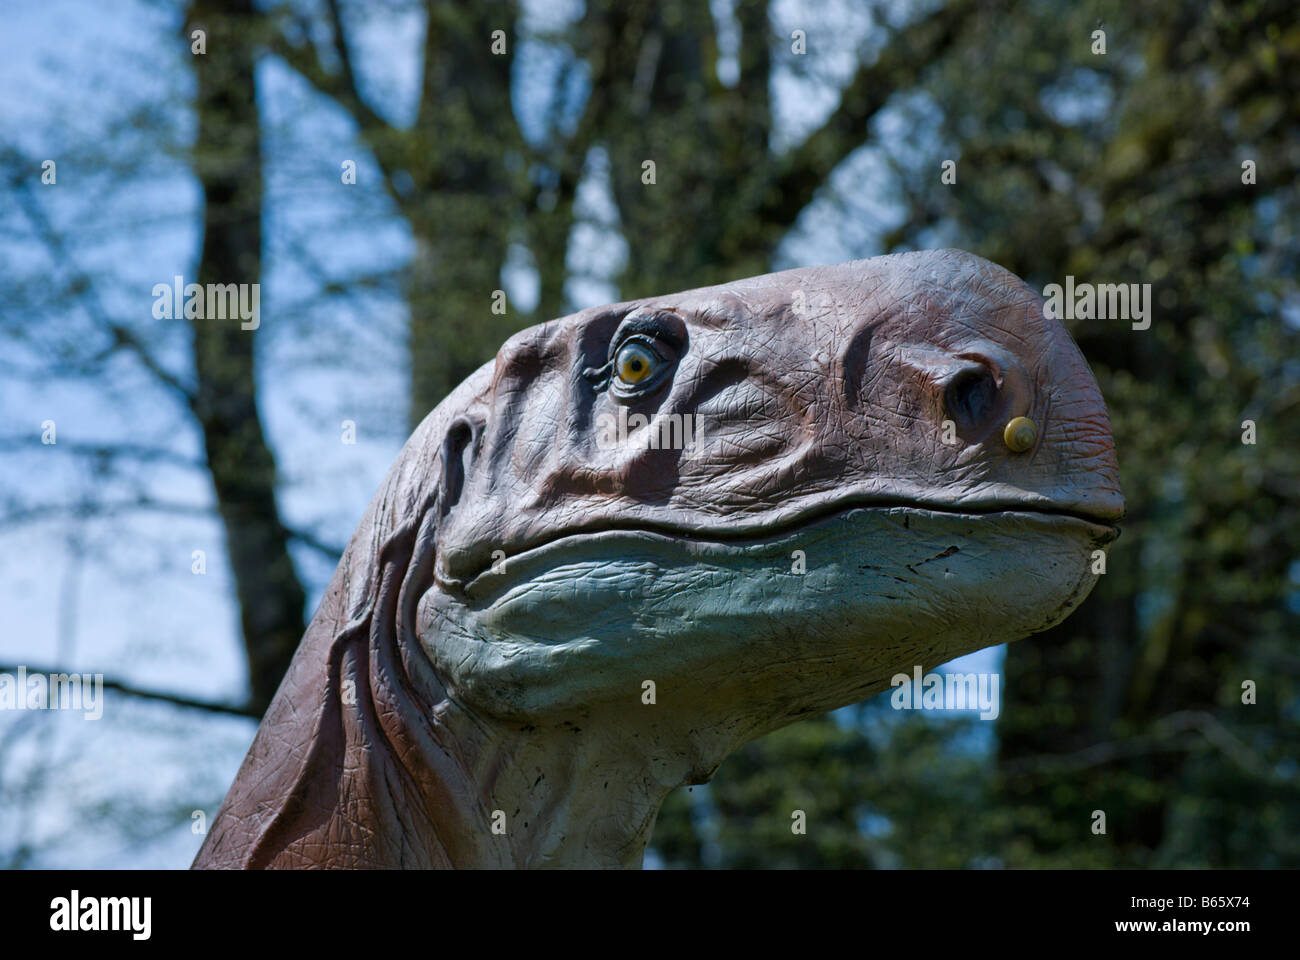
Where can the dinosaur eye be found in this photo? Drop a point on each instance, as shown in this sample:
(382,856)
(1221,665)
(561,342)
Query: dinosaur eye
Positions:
(634,363)
(642,355)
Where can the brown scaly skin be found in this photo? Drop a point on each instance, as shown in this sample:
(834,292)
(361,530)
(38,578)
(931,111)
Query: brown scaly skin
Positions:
(442,689)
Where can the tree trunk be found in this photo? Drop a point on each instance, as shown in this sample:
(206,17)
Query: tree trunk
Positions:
(227,161)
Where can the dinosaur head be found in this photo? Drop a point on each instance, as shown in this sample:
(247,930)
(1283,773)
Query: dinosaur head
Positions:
(767,497)
(764,498)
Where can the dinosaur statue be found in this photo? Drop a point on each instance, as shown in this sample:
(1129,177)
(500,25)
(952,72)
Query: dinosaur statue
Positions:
(556,610)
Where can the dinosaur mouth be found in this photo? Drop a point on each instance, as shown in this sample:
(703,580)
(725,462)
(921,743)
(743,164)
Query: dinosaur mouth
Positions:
(532,558)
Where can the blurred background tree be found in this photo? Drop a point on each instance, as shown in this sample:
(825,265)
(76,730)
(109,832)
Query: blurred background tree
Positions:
(783,134)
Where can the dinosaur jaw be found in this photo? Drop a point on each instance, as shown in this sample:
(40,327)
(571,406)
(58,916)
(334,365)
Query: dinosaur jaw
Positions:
(498,552)
(755,631)
(615,539)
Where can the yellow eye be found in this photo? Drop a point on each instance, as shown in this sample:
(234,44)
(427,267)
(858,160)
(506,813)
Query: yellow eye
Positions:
(634,363)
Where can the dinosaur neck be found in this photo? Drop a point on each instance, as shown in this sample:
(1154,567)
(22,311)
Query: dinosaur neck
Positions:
(388,771)
(561,795)
(461,791)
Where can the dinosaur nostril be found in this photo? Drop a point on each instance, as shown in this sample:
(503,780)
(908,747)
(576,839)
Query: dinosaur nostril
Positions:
(971,398)
(457,457)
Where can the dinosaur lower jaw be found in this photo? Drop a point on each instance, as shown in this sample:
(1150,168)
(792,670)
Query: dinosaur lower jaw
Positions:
(854,596)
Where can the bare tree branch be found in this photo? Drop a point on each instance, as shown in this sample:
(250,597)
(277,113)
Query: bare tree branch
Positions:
(83,283)
(797,176)
(161,696)
(109,451)
(340,87)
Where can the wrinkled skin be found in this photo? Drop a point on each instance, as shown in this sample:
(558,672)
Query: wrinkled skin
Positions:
(481,657)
